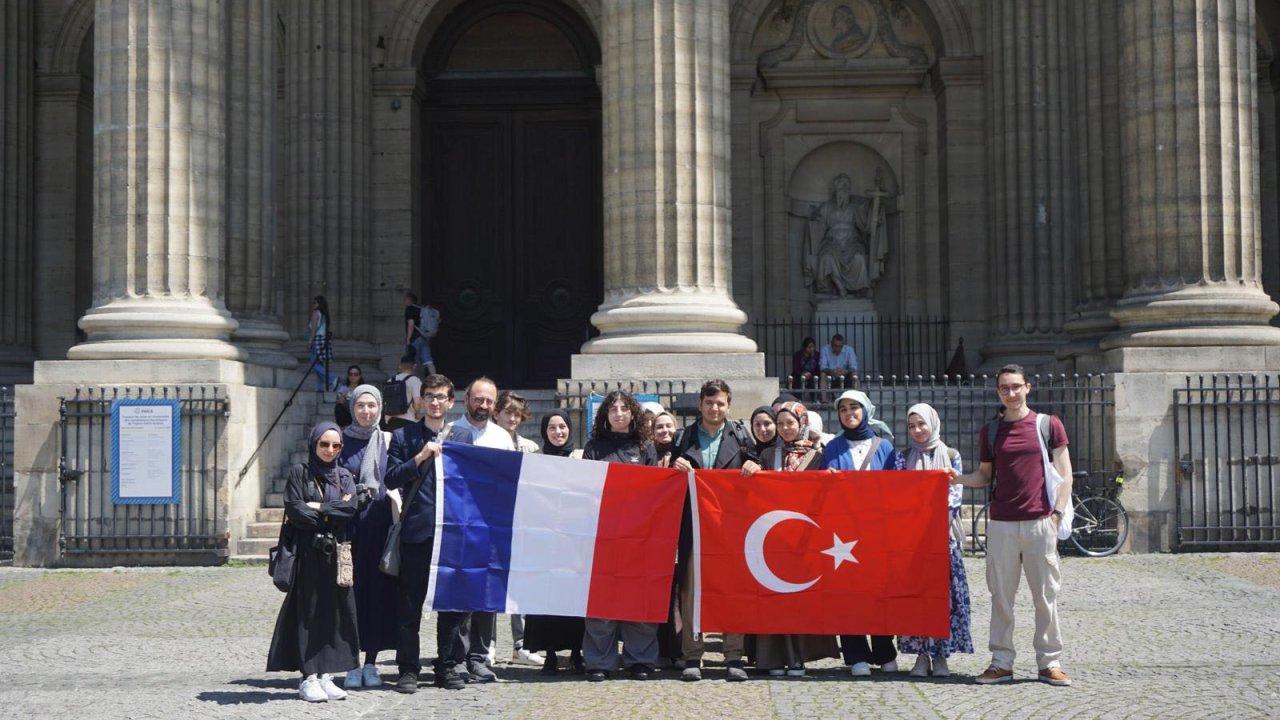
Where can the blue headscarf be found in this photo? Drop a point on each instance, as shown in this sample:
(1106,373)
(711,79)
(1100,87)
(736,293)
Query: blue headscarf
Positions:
(867,428)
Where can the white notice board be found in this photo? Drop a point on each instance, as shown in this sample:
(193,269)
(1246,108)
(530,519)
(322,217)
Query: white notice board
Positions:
(146,450)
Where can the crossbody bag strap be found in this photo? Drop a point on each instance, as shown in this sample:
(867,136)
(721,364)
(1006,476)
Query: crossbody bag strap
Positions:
(871,453)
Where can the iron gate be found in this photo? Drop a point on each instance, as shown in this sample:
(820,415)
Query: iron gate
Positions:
(92,524)
(6,473)
(1227,432)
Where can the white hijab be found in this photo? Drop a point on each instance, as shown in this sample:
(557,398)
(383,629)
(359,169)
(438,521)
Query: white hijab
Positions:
(932,453)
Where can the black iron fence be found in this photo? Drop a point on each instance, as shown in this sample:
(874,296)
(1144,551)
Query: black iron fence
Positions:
(1084,403)
(6,473)
(96,523)
(1228,438)
(905,346)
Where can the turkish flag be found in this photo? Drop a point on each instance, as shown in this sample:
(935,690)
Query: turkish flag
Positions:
(851,553)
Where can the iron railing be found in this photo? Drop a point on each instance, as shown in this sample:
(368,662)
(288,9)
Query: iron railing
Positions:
(1084,403)
(92,524)
(905,346)
(6,473)
(1227,432)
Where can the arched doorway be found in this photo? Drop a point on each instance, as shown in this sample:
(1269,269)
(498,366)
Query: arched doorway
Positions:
(511,189)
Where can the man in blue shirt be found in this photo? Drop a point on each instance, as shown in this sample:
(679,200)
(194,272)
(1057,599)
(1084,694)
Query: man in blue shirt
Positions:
(838,362)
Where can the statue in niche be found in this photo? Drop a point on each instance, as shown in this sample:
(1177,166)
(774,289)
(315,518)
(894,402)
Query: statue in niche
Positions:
(852,240)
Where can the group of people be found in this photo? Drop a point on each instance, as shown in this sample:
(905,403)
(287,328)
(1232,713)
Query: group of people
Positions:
(361,478)
(836,363)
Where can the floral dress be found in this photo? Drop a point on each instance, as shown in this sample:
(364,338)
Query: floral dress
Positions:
(961,641)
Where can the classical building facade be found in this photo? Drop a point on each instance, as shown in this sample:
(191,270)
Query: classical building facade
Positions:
(587,187)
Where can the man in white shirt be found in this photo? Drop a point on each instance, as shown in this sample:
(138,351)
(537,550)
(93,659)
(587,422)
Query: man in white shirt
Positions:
(476,427)
(838,361)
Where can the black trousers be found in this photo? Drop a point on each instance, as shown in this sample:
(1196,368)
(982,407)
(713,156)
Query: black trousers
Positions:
(415,568)
(478,634)
(855,649)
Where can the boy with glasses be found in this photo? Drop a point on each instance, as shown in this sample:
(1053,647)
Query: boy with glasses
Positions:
(1023,524)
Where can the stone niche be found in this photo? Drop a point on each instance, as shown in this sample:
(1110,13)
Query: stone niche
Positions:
(822,105)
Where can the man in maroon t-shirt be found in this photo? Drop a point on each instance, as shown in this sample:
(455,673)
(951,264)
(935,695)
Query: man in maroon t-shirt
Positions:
(1022,527)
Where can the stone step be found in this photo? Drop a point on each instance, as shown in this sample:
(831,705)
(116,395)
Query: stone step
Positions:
(250,559)
(258,530)
(269,515)
(254,546)
(273,500)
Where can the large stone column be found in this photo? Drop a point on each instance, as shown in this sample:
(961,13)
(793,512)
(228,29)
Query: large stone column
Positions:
(1095,96)
(251,217)
(159,158)
(666,185)
(1031,180)
(327,169)
(17,260)
(1190,164)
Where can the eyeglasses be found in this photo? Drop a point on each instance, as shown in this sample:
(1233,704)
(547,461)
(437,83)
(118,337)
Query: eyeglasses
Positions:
(326,445)
(1010,389)
(482,402)
(437,397)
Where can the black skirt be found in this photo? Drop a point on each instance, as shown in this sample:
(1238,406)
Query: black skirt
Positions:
(316,629)
(552,633)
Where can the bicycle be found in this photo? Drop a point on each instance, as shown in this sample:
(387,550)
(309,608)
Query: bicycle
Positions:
(1101,525)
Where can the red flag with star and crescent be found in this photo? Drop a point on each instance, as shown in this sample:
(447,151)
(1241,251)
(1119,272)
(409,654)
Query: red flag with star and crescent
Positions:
(851,553)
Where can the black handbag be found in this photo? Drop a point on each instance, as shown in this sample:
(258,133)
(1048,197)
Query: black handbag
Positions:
(282,563)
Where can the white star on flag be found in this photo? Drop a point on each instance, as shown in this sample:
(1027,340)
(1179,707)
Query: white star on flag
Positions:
(841,551)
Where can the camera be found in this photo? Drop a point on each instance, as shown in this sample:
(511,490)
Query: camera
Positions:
(324,543)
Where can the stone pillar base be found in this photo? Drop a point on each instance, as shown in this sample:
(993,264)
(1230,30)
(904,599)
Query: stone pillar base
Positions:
(263,339)
(162,328)
(253,405)
(670,322)
(1194,316)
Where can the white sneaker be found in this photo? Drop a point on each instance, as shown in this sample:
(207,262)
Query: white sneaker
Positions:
(860,670)
(891,666)
(493,653)
(921,668)
(797,671)
(524,657)
(777,672)
(353,680)
(311,691)
(333,691)
(940,668)
(370,676)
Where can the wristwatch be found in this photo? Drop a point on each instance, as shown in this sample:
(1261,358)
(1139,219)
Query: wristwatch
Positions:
(1058,513)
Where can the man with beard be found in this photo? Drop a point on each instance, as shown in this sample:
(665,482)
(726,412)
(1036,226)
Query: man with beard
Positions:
(476,427)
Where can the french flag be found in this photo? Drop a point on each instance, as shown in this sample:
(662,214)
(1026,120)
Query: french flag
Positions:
(540,535)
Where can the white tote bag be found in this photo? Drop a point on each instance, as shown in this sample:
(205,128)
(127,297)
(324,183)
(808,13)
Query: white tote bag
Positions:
(1053,481)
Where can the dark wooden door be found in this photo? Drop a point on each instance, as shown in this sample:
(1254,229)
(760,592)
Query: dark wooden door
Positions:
(513,238)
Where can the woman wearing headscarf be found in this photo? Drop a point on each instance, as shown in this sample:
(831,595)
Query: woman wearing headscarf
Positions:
(859,447)
(764,430)
(928,452)
(616,436)
(552,633)
(316,631)
(364,455)
(795,450)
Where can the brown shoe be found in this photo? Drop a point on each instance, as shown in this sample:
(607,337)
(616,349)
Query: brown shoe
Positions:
(994,675)
(1055,676)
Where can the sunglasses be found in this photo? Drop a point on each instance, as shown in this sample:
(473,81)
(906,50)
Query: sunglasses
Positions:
(328,445)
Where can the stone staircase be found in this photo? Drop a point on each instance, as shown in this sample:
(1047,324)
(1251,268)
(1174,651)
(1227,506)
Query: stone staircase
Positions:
(262,533)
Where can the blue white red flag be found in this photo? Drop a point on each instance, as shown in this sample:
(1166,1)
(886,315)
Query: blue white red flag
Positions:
(540,535)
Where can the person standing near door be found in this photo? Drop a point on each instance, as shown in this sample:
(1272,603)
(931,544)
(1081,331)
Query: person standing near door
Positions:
(420,325)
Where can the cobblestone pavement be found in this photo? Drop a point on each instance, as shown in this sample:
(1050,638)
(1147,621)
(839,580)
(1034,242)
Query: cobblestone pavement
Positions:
(1146,636)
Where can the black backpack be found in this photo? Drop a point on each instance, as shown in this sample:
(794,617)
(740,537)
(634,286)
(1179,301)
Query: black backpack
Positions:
(395,395)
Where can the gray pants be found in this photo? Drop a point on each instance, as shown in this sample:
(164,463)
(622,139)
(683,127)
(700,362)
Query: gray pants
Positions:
(600,644)
(517,631)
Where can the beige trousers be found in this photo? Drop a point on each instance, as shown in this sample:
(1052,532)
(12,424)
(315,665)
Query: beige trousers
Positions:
(1015,548)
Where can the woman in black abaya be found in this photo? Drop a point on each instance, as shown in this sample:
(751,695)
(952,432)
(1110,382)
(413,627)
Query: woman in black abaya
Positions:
(316,630)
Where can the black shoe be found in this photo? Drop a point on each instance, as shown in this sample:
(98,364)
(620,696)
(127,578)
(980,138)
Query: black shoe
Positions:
(597,676)
(638,672)
(551,666)
(407,683)
(579,665)
(449,680)
(478,670)
(736,672)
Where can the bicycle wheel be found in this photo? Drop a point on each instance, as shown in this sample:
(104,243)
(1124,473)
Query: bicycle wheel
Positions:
(979,535)
(1101,526)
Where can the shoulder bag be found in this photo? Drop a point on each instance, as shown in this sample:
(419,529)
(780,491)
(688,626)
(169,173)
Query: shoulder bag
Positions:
(389,563)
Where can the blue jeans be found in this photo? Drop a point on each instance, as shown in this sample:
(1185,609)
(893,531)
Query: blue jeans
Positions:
(324,380)
(422,350)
